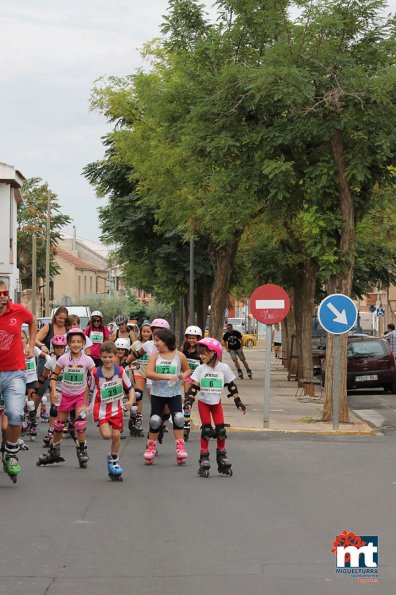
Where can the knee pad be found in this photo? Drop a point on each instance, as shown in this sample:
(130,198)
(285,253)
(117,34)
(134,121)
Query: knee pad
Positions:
(155,423)
(139,395)
(81,425)
(206,432)
(178,420)
(220,431)
(166,416)
(53,411)
(31,406)
(59,425)
(134,410)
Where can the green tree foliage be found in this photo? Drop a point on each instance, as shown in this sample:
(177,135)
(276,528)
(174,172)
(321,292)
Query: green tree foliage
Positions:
(152,259)
(32,219)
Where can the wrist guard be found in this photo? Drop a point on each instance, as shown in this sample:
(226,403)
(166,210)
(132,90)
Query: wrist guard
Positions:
(239,404)
(54,376)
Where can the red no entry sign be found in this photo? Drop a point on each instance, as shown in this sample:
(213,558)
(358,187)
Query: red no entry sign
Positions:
(269,304)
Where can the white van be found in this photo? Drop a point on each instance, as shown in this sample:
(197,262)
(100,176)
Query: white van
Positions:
(83,312)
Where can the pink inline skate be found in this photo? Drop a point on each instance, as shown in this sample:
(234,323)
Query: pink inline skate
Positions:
(181,454)
(151,451)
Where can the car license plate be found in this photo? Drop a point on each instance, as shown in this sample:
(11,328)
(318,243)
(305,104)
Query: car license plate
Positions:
(366,378)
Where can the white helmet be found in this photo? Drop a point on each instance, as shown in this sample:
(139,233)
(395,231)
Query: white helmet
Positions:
(122,343)
(193,330)
(97,313)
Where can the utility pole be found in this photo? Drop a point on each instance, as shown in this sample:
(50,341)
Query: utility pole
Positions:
(191,306)
(34,274)
(47,257)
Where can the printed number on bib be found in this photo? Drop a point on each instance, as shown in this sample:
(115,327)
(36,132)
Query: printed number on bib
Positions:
(111,390)
(165,367)
(73,377)
(96,337)
(144,358)
(31,364)
(214,386)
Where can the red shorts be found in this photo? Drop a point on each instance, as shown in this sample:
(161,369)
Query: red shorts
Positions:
(115,421)
(70,402)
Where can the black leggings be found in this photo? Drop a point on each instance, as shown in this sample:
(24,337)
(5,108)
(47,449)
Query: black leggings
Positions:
(174,404)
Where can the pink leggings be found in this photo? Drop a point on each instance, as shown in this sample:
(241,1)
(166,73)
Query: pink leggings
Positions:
(205,411)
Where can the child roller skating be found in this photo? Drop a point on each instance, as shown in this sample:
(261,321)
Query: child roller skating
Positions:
(110,384)
(166,367)
(208,381)
(74,366)
(192,334)
(137,370)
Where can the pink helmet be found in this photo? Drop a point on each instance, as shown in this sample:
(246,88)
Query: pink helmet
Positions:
(212,345)
(59,341)
(160,323)
(76,331)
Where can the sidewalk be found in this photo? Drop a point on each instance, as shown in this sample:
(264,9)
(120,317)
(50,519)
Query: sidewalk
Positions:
(287,413)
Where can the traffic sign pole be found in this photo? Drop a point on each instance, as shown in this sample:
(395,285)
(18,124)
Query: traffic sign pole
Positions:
(336,381)
(269,304)
(267,375)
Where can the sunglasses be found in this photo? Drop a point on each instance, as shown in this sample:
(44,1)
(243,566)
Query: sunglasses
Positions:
(96,319)
(4,292)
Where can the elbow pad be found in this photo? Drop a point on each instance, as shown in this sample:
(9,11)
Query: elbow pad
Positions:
(192,391)
(232,389)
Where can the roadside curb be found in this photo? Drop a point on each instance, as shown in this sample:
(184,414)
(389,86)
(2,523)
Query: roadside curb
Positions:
(368,432)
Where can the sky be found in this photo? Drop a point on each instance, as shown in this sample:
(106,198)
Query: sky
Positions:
(51,54)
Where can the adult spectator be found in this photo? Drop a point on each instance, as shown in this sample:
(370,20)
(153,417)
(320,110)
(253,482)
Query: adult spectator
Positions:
(390,336)
(43,340)
(233,341)
(56,327)
(277,339)
(13,374)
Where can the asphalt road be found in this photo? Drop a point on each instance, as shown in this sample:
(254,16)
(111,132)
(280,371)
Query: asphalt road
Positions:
(376,407)
(164,530)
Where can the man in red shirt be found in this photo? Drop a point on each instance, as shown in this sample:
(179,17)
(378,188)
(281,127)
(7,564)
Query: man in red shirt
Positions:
(13,375)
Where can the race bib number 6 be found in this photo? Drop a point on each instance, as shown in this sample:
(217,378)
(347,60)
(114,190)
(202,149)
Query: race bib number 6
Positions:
(213,386)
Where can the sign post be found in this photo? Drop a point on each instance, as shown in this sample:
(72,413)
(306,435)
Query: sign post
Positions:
(337,314)
(269,304)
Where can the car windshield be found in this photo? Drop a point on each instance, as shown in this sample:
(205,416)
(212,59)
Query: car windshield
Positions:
(366,349)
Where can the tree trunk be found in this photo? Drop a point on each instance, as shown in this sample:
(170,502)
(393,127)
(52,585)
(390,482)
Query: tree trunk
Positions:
(222,260)
(304,299)
(341,283)
(289,325)
(202,305)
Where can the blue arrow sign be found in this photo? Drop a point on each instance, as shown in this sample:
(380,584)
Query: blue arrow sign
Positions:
(337,314)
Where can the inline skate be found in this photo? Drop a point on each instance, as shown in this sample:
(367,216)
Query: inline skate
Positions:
(10,461)
(82,454)
(204,464)
(249,373)
(181,454)
(51,456)
(113,468)
(151,452)
(223,464)
(47,439)
(240,373)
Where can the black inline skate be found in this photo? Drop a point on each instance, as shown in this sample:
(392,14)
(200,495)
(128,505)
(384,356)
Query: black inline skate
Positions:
(51,456)
(240,373)
(249,373)
(223,464)
(204,464)
(82,454)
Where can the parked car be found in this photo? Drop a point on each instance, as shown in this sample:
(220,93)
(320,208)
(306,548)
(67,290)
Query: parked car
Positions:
(370,364)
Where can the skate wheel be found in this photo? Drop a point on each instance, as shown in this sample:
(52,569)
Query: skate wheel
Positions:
(38,463)
(230,473)
(32,438)
(181,462)
(13,478)
(83,465)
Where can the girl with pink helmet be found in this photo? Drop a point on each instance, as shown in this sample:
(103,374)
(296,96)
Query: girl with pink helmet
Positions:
(208,381)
